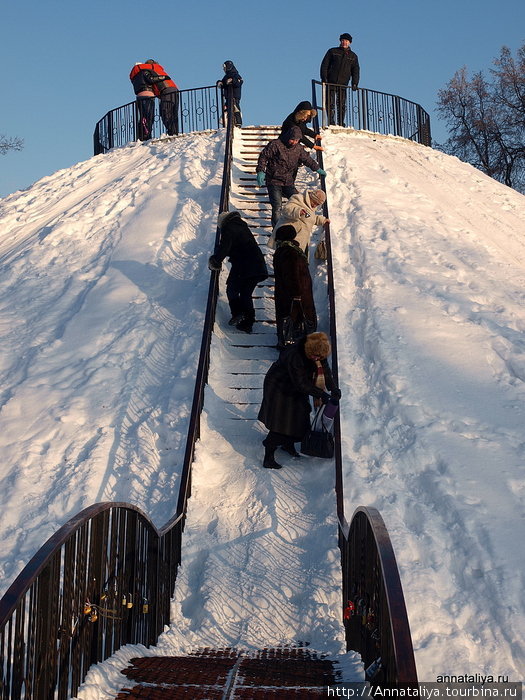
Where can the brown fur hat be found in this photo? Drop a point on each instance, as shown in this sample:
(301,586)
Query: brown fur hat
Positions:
(317,345)
(305,115)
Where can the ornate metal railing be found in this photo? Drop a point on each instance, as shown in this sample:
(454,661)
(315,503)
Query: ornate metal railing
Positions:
(106,578)
(369,110)
(199,109)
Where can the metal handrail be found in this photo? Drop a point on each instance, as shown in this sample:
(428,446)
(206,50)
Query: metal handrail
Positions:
(199,109)
(106,578)
(375,616)
(371,110)
(368,563)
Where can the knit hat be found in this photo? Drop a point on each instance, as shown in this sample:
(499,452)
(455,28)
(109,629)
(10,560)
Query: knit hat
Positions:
(317,197)
(346,35)
(226,215)
(317,345)
(285,233)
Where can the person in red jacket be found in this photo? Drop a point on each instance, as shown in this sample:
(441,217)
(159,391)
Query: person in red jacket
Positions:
(168,93)
(150,80)
(145,97)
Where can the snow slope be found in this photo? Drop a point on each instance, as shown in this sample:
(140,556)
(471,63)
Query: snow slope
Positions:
(104,278)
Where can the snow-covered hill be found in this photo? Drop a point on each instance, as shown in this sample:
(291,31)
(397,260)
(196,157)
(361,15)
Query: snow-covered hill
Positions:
(103,284)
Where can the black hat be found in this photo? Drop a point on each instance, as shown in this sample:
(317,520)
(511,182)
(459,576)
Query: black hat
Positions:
(346,35)
(285,233)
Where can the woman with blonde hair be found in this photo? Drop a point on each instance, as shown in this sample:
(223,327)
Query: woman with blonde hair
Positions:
(301,371)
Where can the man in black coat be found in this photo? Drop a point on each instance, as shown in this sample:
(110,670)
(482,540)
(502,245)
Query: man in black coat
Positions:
(247,267)
(278,164)
(337,67)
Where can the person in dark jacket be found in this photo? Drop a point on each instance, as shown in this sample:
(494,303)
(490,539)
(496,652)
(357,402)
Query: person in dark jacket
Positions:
(290,381)
(302,114)
(168,93)
(247,267)
(278,164)
(145,99)
(293,283)
(338,66)
(232,77)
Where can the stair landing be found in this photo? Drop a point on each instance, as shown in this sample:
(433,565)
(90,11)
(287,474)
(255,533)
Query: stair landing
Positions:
(231,674)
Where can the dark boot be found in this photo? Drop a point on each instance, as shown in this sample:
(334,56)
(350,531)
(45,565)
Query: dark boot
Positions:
(290,448)
(269,459)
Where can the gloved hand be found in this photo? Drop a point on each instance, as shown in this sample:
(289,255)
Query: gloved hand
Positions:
(325,398)
(261,178)
(321,172)
(213,263)
(336,393)
(354,87)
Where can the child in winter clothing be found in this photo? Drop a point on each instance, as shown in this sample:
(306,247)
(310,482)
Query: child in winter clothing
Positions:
(232,77)
(303,113)
(247,267)
(299,212)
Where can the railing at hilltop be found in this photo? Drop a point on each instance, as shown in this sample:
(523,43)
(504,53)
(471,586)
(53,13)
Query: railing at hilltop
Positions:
(369,110)
(106,578)
(199,109)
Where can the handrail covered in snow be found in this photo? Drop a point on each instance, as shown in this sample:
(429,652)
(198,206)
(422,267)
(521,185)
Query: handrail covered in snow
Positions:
(370,110)
(199,109)
(106,578)
(374,612)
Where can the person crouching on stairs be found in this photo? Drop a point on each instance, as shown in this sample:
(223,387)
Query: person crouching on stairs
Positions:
(290,381)
(247,267)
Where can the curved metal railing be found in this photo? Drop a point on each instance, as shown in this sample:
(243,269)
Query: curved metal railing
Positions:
(199,109)
(106,578)
(370,110)
(374,613)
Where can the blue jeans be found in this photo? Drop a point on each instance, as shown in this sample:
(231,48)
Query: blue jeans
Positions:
(276,194)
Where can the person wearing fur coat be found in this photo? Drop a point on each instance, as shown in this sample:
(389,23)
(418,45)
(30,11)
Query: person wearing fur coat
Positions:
(300,212)
(302,114)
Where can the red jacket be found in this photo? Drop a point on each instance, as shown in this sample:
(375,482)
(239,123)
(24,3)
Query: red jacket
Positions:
(151,76)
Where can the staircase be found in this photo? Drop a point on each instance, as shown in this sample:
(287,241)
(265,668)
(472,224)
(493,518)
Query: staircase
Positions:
(224,575)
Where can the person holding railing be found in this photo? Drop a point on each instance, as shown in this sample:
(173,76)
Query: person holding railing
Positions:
(302,114)
(168,93)
(232,77)
(145,99)
(277,167)
(337,67)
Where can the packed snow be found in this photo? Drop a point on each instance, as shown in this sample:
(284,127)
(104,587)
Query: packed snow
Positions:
(104,282)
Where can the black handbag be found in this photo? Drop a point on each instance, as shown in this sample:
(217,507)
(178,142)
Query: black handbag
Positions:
(294,329)
(318,443)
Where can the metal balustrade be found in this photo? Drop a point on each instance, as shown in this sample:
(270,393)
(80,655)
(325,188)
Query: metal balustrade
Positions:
(199,109)
(370,110)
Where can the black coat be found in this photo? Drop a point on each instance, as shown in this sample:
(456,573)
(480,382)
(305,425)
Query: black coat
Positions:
(237,243)
(339,65)
(232,77)
(302,114)
(293,279)
(280,162)
(288,383)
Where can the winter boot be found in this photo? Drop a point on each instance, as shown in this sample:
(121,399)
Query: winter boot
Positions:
(269,459)
(290,448)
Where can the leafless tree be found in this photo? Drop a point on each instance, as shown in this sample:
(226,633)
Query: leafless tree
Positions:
(10,143)
(486,119)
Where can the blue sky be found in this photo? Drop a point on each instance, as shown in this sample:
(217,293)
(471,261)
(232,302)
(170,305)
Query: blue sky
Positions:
(66,64)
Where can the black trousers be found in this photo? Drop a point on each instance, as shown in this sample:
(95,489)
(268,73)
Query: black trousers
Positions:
(146,114)
(239,291)
(169,111)
(336,104)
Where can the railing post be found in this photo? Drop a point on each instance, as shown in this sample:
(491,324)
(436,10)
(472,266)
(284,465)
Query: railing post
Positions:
(364,110)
